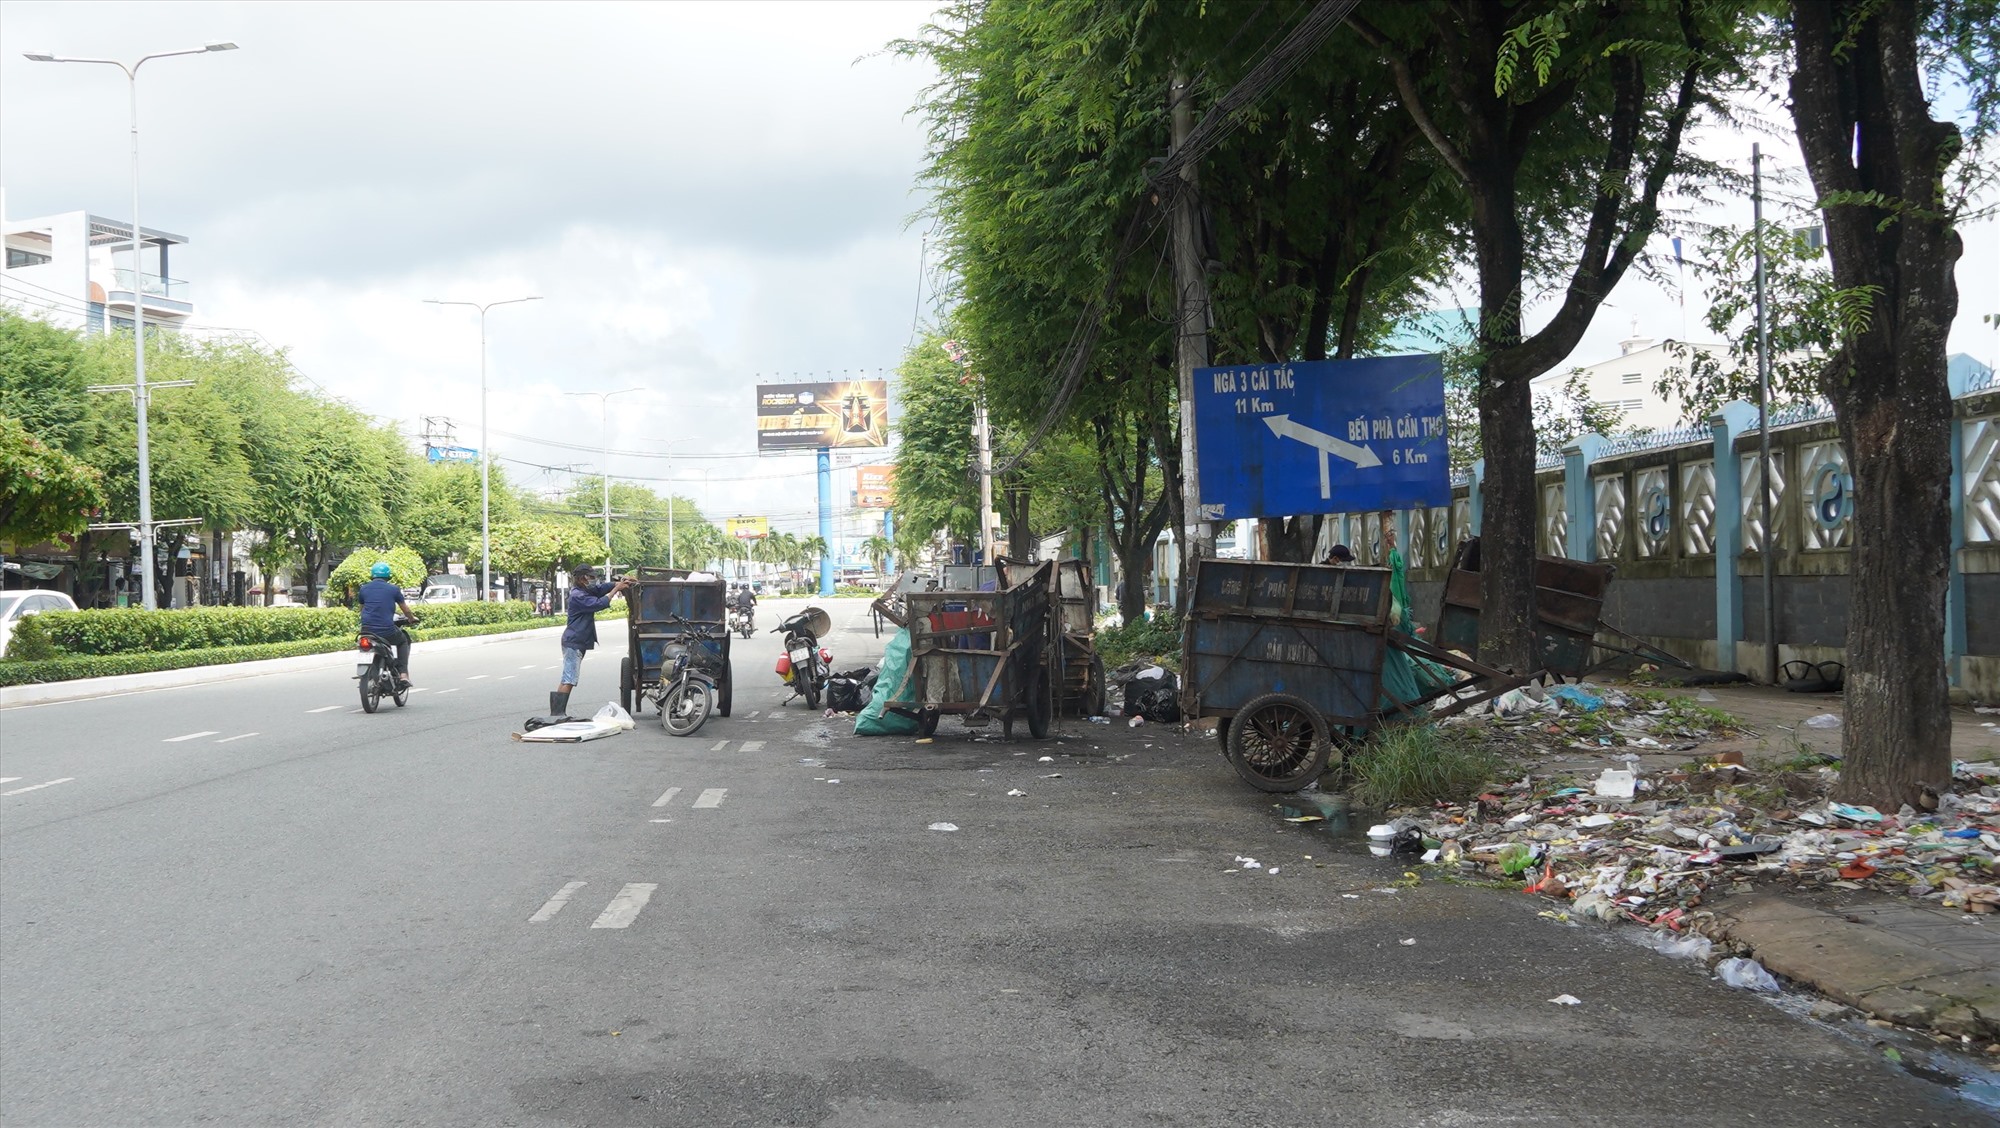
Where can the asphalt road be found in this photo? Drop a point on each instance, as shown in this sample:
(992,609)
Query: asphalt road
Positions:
(248,903)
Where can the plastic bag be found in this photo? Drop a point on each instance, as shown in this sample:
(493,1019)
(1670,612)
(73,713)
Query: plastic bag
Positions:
(875,718)
(613,713)
(1747,974)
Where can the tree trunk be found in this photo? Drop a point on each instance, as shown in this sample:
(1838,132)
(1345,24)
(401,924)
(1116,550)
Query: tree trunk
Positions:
(311,556)
(1858,102)
(1507,527)
(1292,539)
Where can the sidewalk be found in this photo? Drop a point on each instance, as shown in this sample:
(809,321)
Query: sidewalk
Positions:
(47,693)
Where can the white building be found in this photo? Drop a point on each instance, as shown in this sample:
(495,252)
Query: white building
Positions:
(76,269)
(1629,380)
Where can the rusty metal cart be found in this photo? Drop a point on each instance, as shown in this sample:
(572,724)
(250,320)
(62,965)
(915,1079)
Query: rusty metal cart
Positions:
(982,655)
(1572,640)
(655,604)
(1078,671)
(1289,657)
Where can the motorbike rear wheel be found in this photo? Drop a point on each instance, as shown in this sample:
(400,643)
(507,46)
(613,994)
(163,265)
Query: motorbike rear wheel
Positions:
(371,688)
(815,678)
(684,707)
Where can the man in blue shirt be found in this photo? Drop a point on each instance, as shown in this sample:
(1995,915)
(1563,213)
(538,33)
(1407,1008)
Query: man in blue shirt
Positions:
(380,600)
(586,598)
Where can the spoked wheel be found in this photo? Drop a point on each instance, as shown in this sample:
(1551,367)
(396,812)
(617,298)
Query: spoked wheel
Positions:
(371,690)
(814,676)
(684,708)
(725,692)
(402,692)
(1278,743)
(1093,696)
(1041,705)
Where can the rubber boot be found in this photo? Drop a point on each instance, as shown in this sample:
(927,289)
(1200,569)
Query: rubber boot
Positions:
(558,704)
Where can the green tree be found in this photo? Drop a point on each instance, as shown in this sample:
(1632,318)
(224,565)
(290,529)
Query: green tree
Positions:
(1893,181)
(1560,123)
(45,492)
(42,382)
(406,570)
(879,548)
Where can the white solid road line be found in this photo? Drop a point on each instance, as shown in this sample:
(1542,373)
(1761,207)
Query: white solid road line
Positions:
(711,797)
(245,736)
(667,798)
(324,709)
(555,904)
(624,908)
(753,746)
(38,786)
(189,736)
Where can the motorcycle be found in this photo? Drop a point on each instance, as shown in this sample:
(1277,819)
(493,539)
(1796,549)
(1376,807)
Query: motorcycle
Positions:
(377,670)
(686,691)
(743,621)
(805,665)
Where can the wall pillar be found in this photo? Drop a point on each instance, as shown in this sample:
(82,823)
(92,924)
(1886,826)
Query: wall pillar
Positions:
(1735,418)
(1954,592)
(1579,504)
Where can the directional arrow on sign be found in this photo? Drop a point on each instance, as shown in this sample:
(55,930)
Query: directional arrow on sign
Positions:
(1328,446)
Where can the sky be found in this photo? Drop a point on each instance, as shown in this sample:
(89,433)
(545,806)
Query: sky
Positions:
(705,197)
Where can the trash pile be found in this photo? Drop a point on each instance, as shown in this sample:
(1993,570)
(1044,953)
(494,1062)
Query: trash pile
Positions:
(1589,718)
(1649,846)
(1143,691)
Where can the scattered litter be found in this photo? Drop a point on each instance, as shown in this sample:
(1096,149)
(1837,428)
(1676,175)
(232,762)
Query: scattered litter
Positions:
(925,739)
(1410,943)
(1823,721)
(1135,722)
(613,714)
(1273,871)
(944,826)
(1046,760)
(1567,1001)
(1614,784)
(570,732)
(812,762)
(1854,814)
(1575,695)
(1680,947)
(1706,698)
(1016,793)
(1098,720)
(1053,775)
(833,781)
(1738,971)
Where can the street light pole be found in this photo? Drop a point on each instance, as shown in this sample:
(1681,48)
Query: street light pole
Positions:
(604,404)
(670,499)
(148,596)
(485,461)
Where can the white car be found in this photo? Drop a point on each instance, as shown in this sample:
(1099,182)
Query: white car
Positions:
(18,605)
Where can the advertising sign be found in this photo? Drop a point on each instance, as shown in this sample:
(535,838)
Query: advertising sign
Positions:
(874,487)
(848,413)
(748,528)
(1330,436)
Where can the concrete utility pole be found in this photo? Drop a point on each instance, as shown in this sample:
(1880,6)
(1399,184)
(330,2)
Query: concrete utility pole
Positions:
(982,433)
(1191,341)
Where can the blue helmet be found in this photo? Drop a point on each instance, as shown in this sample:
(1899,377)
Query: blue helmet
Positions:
(380,571)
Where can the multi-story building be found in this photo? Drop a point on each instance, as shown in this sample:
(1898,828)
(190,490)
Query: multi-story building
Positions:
(1630,380)
(76,269)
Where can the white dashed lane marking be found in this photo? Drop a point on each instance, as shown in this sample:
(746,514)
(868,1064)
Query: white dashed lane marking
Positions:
(244,736)
(667,798)
(189,736)
(555,904)
(38,786)
(475,677)
(10,779)
(442,692)
(624,908)
(507,677)
(710,797)
(718,746)
(529,666)
(323,709)
(753,746)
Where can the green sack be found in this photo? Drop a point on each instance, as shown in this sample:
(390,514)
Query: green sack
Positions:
(875,718)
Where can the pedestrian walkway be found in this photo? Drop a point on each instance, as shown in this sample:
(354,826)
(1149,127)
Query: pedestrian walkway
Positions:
(1893,959)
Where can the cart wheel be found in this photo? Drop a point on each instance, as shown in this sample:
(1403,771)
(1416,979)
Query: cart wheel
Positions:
(625,683)
(1041,706)
(1278,743)
(725,692)
(1222,734)
(927,720)
(1093,695)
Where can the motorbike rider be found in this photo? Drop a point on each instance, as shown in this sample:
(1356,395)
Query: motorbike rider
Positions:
(380,601)
(744,599)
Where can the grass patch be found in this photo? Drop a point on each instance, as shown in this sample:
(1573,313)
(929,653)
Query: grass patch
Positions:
(1409,765)
(1686,713)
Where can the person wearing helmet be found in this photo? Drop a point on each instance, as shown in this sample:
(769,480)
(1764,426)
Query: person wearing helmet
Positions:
(380,600)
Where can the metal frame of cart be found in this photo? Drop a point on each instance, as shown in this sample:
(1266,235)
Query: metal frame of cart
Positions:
(983,655)
(1288,658)
(1072,634)
(656,597)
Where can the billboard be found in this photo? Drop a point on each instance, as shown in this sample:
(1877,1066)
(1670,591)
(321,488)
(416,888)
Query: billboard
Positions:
(874,487)
(1327,436)
(748,528)
(840,413)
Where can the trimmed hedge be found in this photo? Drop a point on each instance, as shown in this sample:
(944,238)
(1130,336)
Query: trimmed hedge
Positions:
(122,631)
(107,665)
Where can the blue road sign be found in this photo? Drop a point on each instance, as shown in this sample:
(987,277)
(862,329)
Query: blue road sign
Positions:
(1326,436)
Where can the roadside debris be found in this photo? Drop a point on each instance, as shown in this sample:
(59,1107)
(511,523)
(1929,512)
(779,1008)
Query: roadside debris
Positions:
(945,826)
(1747,974)
(1567,1001)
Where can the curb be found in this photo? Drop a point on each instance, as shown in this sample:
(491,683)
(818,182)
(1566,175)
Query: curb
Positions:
(83,689)
(1902,963)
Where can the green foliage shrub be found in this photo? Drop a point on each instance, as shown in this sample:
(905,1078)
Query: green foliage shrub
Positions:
(1157,638)
(134,630)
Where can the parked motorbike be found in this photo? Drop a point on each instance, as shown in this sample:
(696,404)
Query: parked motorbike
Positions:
(742,622)
(377,669)
(687,688)
(805,665)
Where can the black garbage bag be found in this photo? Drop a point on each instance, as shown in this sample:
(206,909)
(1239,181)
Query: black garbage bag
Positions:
(845,694)
(1156,699)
